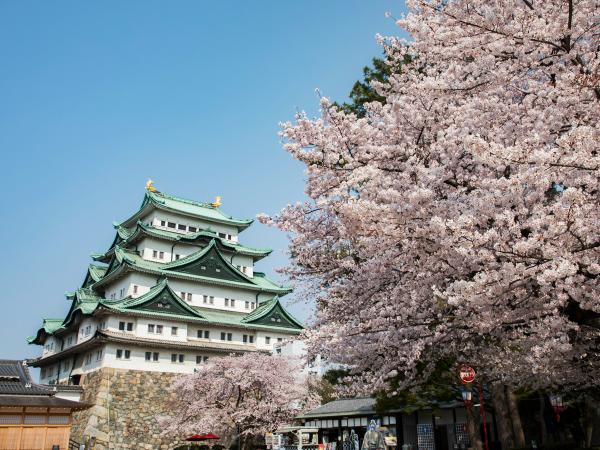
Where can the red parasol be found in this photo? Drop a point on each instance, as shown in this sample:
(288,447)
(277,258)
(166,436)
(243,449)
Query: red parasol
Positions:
(202,437)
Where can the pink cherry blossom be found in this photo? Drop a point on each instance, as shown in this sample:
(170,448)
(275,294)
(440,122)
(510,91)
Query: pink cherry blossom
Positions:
(255,392)
(461,218)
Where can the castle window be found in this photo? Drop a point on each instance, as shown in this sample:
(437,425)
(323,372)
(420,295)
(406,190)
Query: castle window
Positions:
(161,255)
(251,339)
(98,355)
(148,356)
(253,305)
(247,305)
(177,358)
(181,227)
(127,354)
(192,229)
(177,257)
(171,224)
(226,336)
(173,331)
(211,300)
(129,326)
(155,253)
(222,235)
(203,334)
(159,329)
(267,340)
(233,303)
(162,223)
(135,288)
(150,328)
(119,353)
(155,356)
(279,339)
(122,326)
(226,302)
(201,359)
(189,297)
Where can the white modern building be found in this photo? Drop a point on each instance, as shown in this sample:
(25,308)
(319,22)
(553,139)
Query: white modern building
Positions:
(174,289)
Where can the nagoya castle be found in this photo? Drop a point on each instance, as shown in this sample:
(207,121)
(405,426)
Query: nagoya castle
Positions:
(173,290)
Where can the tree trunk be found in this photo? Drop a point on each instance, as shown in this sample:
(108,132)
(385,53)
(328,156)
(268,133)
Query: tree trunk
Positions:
(515,418)
(589,413)
(503,422)
(473,430)
(543,429)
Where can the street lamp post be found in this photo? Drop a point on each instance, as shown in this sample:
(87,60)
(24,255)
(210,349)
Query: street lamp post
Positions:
(466,374)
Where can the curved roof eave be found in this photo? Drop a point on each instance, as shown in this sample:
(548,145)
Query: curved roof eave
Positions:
(157,200)
(124,263)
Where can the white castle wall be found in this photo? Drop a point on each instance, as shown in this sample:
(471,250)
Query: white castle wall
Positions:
(145,282)
(155,218)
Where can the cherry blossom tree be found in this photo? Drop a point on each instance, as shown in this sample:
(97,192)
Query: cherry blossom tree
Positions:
(246,395)
(460,218)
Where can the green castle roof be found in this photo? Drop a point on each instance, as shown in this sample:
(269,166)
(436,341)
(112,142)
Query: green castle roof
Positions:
(207,266)
(190,208)
(162,301)
(190,268)
(127,236)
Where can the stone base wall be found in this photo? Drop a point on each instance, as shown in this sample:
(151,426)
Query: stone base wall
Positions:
(126,404)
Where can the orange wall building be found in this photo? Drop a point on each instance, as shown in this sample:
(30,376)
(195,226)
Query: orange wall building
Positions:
(32,416)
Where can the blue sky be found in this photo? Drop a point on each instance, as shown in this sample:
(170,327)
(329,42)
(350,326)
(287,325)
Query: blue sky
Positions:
(96,97)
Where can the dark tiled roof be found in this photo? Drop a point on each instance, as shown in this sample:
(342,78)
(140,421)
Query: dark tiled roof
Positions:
(40,400)
(344,407)
(16,380)
(18,389)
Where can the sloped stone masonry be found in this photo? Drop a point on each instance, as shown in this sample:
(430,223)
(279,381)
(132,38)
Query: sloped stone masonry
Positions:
(125,406)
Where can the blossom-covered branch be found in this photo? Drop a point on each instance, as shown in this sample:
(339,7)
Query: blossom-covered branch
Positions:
(459,218)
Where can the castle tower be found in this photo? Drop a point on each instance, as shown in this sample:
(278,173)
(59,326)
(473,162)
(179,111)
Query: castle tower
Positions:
(174,289)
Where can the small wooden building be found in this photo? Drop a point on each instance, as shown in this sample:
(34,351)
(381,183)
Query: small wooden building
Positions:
(440,428)
(32,417)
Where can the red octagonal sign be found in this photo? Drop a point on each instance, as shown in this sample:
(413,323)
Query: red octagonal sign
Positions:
(466,374)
